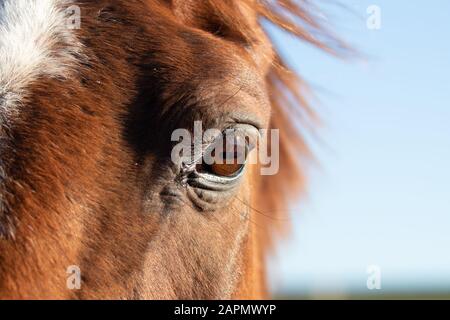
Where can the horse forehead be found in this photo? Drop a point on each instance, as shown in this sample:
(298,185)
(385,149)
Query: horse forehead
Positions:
(35,40)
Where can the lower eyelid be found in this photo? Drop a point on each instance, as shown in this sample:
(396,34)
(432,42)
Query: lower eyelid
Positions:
(207,200)
(213,182)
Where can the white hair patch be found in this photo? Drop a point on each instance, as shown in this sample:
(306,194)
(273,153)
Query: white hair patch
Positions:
(36,39)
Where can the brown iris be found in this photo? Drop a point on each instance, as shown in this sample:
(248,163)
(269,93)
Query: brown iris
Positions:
(226,170)
(229,156)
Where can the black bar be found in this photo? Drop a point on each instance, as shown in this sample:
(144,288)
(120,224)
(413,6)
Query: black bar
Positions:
(241,310)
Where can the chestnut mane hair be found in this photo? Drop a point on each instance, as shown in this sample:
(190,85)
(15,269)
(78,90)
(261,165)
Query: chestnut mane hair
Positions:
(288,94)
(84,152)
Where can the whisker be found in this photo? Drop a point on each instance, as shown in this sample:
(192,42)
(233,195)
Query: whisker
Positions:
(266,213)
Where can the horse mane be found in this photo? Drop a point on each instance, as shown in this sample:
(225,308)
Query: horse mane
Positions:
(288,97)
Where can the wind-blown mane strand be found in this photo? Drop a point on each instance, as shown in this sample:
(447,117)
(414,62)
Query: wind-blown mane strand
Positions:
(290,106)
(286,89)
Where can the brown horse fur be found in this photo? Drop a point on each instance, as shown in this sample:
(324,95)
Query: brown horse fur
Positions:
(85,171)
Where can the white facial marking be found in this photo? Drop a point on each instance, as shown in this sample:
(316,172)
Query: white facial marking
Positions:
(35,40)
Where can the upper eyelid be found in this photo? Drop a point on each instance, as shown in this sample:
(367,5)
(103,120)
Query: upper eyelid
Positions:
(235,128)
(246,119)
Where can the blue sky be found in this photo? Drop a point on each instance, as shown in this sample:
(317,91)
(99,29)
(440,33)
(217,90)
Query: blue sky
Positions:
(380,193)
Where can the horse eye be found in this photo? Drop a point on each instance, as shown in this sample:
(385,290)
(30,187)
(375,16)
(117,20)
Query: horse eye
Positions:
(228,156)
